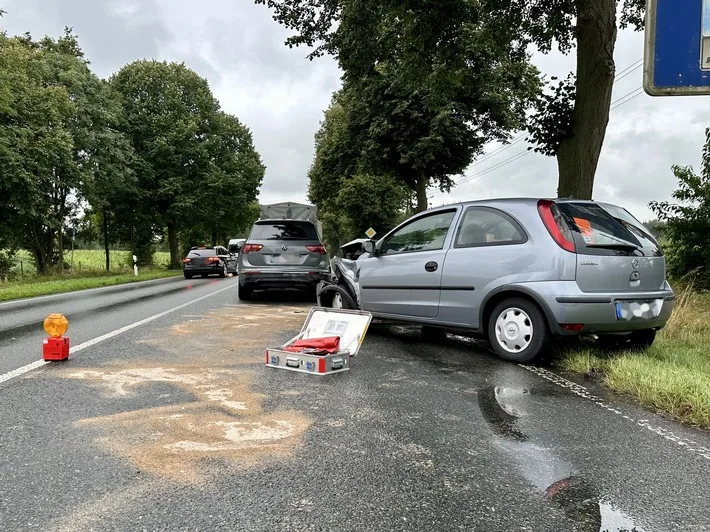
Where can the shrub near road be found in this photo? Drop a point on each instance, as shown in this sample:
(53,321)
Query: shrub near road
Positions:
(673,376)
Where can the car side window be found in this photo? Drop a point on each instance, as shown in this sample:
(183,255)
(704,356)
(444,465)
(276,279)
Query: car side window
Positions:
(484,226)
(423,234)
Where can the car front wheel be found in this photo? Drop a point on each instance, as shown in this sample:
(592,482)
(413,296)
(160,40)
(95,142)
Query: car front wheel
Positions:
(518,331)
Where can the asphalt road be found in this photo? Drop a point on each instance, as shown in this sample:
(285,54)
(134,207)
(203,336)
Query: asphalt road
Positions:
(177,424)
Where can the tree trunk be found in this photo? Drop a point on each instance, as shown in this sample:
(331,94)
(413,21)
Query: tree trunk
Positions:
(578,156)
(422,200)
(60,242)
(214,236)
(173,243)
(106,250)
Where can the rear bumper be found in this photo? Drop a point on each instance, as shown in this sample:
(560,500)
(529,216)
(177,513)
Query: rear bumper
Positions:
(300,279)
(597,312)
(210,270)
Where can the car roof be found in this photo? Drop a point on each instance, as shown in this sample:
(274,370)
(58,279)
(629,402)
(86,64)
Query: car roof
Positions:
(520,201)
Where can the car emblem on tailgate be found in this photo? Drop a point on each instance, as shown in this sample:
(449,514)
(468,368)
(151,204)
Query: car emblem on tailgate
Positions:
(635,264)
(284,247)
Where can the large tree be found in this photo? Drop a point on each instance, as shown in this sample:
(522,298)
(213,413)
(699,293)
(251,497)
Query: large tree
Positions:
(37,166)
(169,112)
(571,125)
(430,82)
(349,200)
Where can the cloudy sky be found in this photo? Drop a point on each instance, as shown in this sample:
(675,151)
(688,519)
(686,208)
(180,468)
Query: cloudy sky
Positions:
(280,95)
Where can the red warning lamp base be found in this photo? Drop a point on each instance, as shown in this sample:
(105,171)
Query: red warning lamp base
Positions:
(55,348)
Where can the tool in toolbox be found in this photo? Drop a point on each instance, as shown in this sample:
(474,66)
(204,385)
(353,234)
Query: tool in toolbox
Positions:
(326,344)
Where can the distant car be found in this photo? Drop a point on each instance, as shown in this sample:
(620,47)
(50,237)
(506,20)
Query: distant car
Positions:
(205,261)
(234,246)
(520,272)
(281,254)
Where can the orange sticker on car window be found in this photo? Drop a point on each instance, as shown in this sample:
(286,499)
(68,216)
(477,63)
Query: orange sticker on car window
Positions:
(586,229)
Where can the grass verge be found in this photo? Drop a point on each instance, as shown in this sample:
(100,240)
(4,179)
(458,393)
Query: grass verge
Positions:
(673,376)
(42,286)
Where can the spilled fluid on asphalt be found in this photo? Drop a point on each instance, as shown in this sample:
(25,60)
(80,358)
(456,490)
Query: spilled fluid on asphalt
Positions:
(502,406)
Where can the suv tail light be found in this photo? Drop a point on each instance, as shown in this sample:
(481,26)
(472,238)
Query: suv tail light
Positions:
(186,261)
(249,248)
(556,225)
(316,249)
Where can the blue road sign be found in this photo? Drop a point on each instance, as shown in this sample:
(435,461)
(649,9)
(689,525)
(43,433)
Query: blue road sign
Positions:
(677,55)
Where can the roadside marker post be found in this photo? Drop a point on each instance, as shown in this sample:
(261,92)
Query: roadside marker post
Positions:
(135,266)
(56,347)
(677,49)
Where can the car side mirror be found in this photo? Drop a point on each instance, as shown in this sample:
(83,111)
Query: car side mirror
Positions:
(369,247)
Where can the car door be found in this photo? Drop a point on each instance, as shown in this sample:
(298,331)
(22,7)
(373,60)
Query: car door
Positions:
(489,246)
(403,278)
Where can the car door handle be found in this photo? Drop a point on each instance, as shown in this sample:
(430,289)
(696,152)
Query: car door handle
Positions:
(431,266)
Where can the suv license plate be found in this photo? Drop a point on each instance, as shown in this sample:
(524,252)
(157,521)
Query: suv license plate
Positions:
(635,310)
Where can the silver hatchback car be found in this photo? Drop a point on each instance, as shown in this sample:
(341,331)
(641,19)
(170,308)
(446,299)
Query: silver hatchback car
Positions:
(520,272)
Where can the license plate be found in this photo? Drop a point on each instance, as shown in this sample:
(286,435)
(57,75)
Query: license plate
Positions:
(638,310)
(289,258)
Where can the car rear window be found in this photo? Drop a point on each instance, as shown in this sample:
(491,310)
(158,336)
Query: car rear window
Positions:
(207,252)
(291,230)
(597,231)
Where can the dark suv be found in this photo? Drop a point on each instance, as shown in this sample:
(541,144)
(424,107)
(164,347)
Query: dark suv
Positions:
(205,261)
(282,254)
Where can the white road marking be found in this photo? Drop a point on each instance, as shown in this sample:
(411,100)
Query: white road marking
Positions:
(87,290)
(39,363)
(577,389)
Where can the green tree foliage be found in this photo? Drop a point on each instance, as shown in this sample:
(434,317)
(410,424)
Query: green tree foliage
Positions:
(349,201)
(37,165)
(687,221)
(197,166)
(435,81)
(122,160)
(572,116)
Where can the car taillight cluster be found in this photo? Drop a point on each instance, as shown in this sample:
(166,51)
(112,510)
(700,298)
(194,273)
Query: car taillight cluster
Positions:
(186,261)
(316,249)
(250,248)
(212,259)
(556,225)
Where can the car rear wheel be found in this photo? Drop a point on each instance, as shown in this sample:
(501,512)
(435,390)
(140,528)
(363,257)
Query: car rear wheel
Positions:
(223,273)
(245,294)
(518,331)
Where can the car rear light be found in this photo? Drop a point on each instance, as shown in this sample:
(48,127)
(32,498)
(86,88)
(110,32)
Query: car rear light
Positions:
(186,261)
(573,327)
(316,249)
(556,225)
(212,259)
(249,248)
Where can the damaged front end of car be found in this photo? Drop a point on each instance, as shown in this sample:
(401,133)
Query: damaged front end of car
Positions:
(342,290)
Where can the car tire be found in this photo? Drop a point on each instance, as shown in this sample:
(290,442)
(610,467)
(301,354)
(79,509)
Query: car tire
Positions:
(245,294)
(518,331)
(642,340)
(223,273)
(187,275)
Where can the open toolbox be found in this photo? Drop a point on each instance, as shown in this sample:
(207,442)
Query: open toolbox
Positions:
(326,344)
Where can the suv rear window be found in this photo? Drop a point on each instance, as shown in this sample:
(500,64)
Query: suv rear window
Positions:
(601,230)
(207,252)
(291,230)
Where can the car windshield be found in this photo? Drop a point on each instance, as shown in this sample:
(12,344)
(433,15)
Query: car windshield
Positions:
(287,230)
(598,231)
(207,252)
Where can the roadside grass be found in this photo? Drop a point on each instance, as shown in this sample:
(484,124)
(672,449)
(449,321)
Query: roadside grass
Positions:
(87,260)
(673,376)
(47,285)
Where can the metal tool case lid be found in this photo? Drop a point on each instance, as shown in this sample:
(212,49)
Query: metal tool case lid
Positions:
(350,325)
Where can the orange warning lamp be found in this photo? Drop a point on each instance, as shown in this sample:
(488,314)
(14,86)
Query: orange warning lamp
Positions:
(56,347)
(55,325)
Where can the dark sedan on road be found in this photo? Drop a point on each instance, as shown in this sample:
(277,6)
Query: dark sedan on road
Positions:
(205,261)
